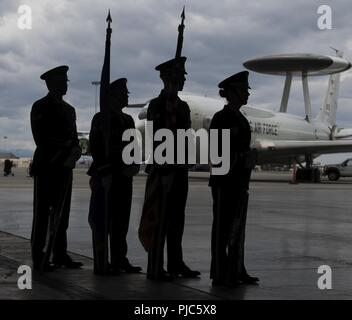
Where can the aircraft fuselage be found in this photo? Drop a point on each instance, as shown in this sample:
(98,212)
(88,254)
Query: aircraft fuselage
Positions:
(265,125)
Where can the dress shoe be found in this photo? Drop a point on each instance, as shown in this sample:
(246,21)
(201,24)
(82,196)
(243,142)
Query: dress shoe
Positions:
(164,276)
(128,268)
(110,272)
(38,263)
(49,267)
(217,283)
(247,279)
(184,272)
(67,262)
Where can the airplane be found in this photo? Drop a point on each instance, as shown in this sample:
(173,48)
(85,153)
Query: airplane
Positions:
(280,137)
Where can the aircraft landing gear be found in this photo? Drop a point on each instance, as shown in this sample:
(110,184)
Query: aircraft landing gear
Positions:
(308,173)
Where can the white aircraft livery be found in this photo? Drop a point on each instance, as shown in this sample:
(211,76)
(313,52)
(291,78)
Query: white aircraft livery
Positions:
(280,137)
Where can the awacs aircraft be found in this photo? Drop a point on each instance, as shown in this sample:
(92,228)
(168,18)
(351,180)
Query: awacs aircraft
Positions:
(280,137)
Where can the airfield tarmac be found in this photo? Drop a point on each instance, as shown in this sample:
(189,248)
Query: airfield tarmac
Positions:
(292,229)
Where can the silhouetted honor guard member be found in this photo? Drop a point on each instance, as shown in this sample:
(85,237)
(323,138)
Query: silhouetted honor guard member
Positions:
(109,173)
(53,123)
(8,164)
(167,184)
(230,191)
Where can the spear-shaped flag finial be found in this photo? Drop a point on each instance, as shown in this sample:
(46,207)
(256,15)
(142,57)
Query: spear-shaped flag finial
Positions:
(108,19)
(181,28)
(183,14)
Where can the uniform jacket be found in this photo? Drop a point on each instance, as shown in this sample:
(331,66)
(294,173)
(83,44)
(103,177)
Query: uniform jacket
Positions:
(102,163)
(53,124)
(177,118)
(240,137)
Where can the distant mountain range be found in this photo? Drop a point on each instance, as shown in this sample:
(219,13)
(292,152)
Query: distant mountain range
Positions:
(21,153)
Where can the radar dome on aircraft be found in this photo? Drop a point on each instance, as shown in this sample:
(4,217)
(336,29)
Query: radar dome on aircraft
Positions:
(298,64)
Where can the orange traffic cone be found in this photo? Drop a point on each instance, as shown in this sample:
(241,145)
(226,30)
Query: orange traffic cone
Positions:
(294,172)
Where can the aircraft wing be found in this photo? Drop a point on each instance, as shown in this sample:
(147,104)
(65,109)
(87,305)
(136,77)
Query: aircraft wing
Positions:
(343,133)
(290,148)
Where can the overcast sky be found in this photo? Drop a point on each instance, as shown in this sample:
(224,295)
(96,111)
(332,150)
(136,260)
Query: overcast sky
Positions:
(219,37)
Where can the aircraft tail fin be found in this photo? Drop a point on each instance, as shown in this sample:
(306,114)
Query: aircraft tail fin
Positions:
(327,113)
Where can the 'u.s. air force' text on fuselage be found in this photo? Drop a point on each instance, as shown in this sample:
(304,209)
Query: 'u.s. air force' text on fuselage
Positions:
(263,128)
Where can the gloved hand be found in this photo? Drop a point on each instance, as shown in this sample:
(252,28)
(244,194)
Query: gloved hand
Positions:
(75,154)
(130,170)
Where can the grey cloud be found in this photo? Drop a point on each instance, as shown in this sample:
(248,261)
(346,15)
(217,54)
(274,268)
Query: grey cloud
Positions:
(219,37)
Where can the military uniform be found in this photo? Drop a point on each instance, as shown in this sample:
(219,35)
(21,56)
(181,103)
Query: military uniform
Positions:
(167,184)
(230,199)
(8,167)
(112,201)
(172,180)
(53,123)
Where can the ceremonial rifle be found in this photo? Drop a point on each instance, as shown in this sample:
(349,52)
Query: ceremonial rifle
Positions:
(55,222)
